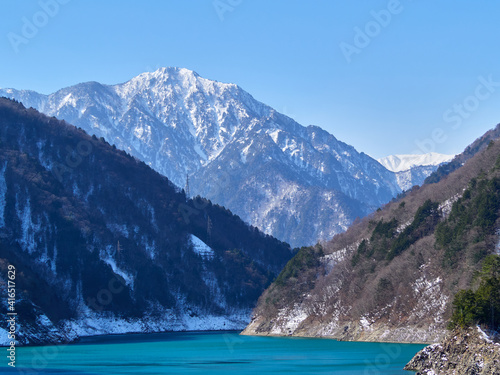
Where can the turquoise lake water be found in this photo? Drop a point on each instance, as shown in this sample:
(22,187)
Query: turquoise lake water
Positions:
(212,353)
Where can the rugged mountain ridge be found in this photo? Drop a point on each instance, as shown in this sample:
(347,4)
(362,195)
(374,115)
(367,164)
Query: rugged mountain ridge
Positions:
(271,171)
(102,243)
(392,276)
(478,145)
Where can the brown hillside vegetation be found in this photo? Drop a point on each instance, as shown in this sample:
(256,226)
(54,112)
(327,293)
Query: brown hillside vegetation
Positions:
(393,275)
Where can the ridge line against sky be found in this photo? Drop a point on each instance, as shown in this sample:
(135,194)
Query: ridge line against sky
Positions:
(388,77)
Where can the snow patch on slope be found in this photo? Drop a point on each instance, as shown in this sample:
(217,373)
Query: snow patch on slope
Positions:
(106,257)
(291,319)
(28,227)
(201,248)
(446,207)
(429,293)
(497,247)
(4,337)
(3,192)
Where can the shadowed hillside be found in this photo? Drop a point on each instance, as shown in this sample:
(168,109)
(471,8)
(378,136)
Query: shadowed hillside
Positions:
(97,236)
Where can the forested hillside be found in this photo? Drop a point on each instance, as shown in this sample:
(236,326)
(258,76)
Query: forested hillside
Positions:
(97,236)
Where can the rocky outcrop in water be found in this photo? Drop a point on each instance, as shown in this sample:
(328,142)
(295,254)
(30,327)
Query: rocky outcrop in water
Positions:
(469,352)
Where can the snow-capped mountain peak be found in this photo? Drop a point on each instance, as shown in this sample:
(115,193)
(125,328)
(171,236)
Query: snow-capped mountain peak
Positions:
(400,163)
(262,165)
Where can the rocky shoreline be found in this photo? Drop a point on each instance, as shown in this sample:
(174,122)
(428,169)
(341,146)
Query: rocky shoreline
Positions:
(361,330)
(469,351)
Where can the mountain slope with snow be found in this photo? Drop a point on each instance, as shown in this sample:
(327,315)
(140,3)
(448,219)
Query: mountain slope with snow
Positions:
(104,244)
(298,183)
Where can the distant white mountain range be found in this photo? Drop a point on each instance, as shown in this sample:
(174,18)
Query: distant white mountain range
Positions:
(412,170)
(297,183)
(400,163)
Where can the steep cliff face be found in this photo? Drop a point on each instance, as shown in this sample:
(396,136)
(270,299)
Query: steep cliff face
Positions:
(469,352)
(392,276)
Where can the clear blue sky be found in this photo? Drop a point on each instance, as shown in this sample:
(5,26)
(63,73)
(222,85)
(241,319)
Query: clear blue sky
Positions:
(414,76)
